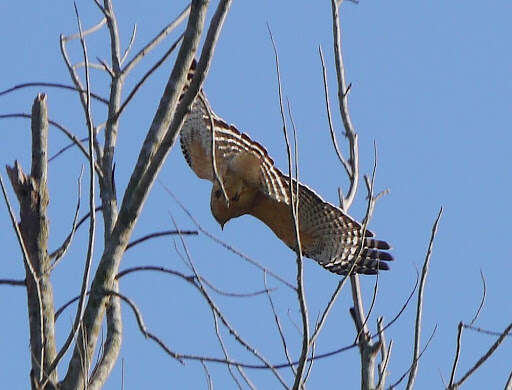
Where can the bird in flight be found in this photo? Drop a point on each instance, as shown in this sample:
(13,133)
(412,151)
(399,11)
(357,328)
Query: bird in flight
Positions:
(254,186)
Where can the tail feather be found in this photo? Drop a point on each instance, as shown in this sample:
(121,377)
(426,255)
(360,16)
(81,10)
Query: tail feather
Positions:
(377,244)
(375,254)
(363,266)
(372,258)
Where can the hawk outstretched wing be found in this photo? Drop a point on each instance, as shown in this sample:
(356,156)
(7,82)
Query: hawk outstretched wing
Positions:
(256,187)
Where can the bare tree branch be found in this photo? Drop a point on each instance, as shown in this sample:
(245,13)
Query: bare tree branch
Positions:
(141,325)
(107,189)
(223,318)
(101,66)
(32,233)
(486,356)
(294,208)
(59,253)
(508,385)
(385,353)
(279,328)
(224,350)
(130,44)
(350,133)
(92,220)
(13,282)
(91,30)
(67,132)
(419,309)
(484,331)
(65,148)
(189,278)
(51,85)
(394,385)
(209,381)
(225,245)
(112,344)
(404,306)
(216,176)
(160,234)
(482,301)
(146,76)
(137,190)
(155,41)
(457,354)
(343,162)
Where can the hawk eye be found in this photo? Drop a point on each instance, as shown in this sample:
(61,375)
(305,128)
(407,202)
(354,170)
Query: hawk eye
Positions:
(217,193)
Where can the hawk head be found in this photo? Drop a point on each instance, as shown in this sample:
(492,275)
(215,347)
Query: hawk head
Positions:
(241,199)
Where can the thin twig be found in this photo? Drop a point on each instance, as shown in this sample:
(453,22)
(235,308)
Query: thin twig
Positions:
(508,385)
(457,354)
(394,385)
(101,66)
(354,279)
(342,159)
(122,373)
(152,155)
(92,219)
(67,132)
(160,234)
(208,109)
(221,316)
(130,44)
(13,282)
(146,76)
(224,244)
(294,208)
(66,305)
(486,356)
(310,365)
(224,349)
(67,147)
(419,309)
(91,30)
(180,357)
(404,306)
(326,311)
(52,85)
(374,299)
(72,72)
(59,253)
(156,40)
(190,279)
(367,350)
(209,381)
(484,331)
(140,323)
(278,325)
(104,66)
(385,353)
(482,301)
(350,133)
(82,220)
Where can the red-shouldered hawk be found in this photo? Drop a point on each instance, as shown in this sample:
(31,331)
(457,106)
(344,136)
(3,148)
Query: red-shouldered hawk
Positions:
(256,187)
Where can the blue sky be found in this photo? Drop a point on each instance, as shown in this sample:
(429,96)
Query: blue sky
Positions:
(431,85)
